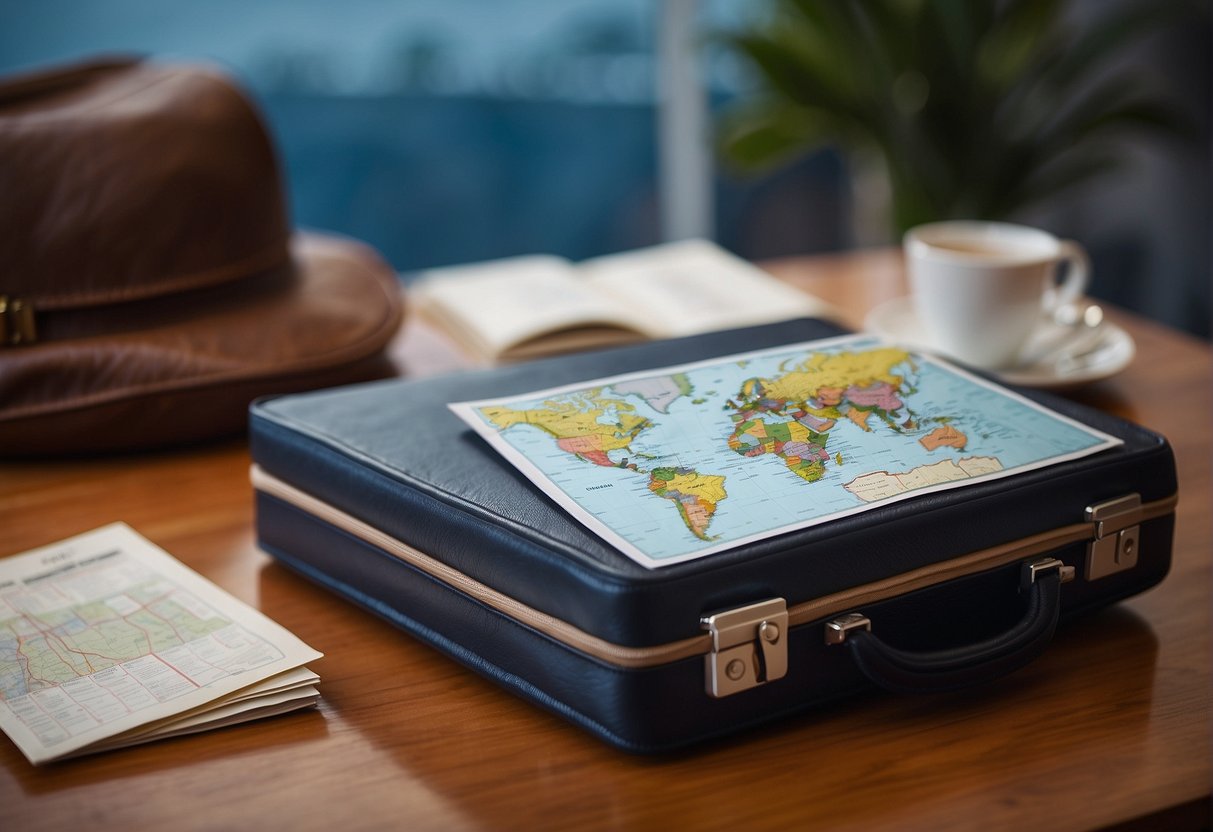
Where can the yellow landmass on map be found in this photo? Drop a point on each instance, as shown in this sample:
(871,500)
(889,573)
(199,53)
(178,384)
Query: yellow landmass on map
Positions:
(798,432)
(573,419)
(709,487)
(833,373)
(695,495)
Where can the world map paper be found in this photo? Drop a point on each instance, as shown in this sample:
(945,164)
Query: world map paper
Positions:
(678,463)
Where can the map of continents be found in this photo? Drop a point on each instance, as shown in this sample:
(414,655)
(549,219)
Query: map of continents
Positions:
(745,447)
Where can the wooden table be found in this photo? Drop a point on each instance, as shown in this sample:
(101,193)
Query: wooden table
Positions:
(1111,726)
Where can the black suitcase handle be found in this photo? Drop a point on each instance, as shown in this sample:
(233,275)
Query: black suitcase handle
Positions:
(902,671)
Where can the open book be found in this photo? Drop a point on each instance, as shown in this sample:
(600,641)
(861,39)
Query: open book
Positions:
(526,307)
(108,641)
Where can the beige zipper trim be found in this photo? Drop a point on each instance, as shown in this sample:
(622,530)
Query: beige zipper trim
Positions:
(634,657)
(544,623)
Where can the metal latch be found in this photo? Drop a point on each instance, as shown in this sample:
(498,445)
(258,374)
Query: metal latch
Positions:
(1117,528)
(841,627)
(1029,572)
(16,321)
(749,647)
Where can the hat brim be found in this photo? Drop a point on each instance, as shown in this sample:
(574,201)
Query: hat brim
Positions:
(184,368)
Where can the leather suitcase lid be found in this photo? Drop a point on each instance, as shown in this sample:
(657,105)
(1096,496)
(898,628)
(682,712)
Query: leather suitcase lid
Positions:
(394,456)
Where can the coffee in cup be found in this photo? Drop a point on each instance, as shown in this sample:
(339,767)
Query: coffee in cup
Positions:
(980,289)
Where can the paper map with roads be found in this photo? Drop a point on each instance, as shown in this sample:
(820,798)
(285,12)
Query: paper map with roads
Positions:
(105,633)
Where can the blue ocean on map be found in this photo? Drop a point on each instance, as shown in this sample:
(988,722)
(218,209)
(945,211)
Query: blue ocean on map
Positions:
(896,425)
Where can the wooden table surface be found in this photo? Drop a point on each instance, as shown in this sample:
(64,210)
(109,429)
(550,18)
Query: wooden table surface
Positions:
(1110,726)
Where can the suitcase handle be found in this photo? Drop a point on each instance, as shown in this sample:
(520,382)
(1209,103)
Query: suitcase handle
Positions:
(903,671)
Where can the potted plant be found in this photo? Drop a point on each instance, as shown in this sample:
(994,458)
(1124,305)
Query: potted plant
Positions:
(976,108)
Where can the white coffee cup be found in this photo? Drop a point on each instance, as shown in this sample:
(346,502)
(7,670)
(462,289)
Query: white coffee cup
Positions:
(980,289)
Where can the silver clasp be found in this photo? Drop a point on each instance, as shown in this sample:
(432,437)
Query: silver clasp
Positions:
(749,647)
(1117,528)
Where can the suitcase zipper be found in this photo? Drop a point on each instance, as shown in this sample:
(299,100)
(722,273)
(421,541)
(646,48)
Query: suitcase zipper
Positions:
(1107,521)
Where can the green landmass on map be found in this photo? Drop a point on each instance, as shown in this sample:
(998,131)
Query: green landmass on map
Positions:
(41,650)
(789,415)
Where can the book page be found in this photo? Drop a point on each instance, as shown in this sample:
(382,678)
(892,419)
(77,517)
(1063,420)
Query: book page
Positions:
(105,632)
(696,286)
(500,308)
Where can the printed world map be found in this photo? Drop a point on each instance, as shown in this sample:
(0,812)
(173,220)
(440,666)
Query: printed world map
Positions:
(679,463)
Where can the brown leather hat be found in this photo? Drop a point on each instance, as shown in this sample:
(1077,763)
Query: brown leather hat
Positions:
(150,285)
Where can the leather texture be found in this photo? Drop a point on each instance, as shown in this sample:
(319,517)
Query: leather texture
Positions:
(143,220)
(656,709)
(124,180)
(645,710)
(904,671)
(392,455)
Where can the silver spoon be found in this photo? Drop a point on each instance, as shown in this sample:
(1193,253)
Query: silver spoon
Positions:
(1080,333)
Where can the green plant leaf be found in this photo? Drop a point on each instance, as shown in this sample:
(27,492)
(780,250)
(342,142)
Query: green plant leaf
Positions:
(887,24)
(1014,41)
(974,105)
(1058,177)
(801,82)
(1112,103)
(765,135)
(821,36)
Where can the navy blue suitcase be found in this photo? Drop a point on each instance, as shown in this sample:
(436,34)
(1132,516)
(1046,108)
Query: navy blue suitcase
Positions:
(379,493)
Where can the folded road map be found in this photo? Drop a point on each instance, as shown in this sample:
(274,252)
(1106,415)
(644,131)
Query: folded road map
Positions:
(106,641)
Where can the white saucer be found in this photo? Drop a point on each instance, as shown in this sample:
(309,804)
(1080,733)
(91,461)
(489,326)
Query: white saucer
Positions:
(1104,352)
